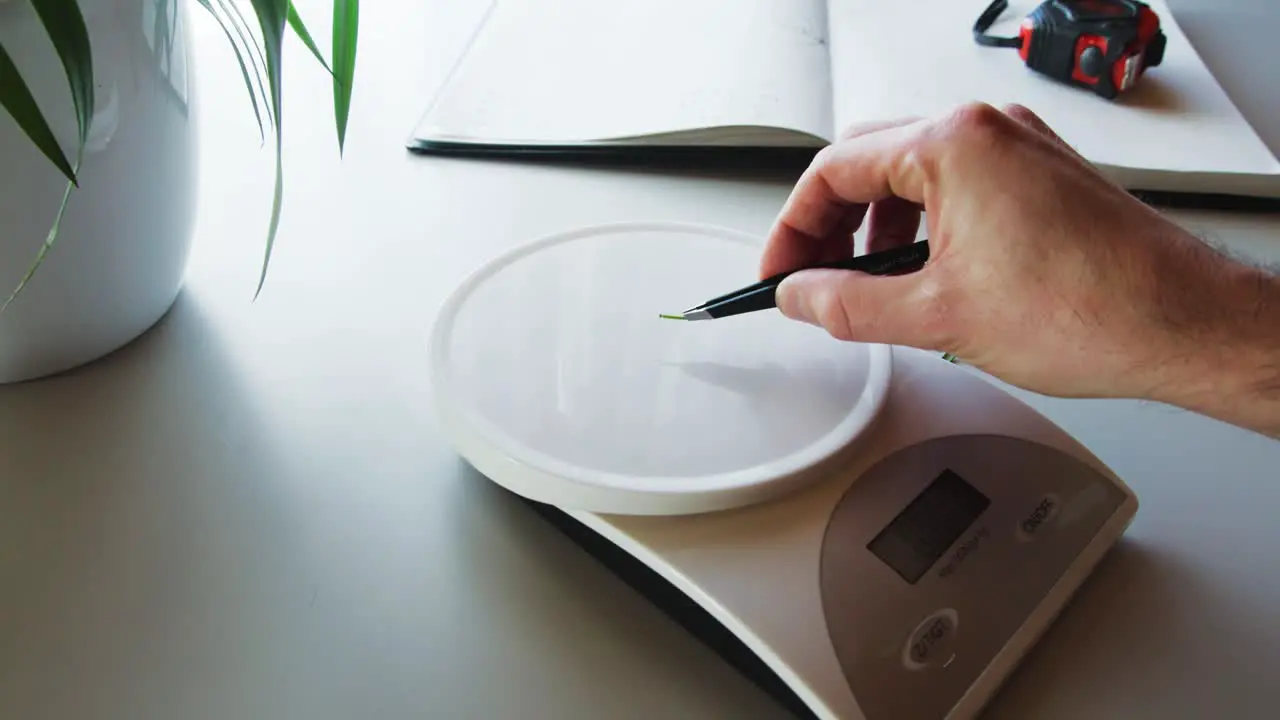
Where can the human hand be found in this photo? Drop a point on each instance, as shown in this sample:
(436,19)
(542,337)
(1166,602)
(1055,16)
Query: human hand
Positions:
(1041,272)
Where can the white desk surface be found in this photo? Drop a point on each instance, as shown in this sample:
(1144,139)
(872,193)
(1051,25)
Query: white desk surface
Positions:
(250,513)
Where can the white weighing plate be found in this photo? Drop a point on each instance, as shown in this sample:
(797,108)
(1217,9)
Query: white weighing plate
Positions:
(555,377)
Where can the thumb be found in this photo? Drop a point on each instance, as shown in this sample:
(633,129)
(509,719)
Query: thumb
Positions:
(855,306)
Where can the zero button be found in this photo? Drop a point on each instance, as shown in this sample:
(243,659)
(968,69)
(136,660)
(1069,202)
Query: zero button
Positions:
(931,641)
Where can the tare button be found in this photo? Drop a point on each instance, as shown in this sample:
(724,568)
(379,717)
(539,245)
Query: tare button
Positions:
(932,641)
(1039,517)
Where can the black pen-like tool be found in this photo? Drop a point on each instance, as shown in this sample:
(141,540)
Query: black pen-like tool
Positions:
(762,295)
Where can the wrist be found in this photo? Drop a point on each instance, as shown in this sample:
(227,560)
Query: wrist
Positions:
(1226,364)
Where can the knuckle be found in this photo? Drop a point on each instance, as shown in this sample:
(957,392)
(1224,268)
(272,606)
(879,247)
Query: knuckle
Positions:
(824,161)
(854,130)
(859,129)
(935,312)
(1019,111)
(823,157)
(834,316)
(977,118)
(915,161)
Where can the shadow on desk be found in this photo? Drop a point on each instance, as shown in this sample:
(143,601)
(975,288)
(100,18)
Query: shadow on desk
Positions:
(137,499)
(176,379)
(536,581)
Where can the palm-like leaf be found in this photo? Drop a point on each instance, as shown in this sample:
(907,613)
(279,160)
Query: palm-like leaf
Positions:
(17,99)
(68,33)
(231,9)
(300,29)
(346,24)
(272,16)
(70,37)
(244,69)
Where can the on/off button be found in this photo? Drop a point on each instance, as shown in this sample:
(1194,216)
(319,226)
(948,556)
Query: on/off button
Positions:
(1039,517)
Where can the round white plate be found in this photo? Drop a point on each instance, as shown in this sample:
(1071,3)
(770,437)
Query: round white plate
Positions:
(555,377)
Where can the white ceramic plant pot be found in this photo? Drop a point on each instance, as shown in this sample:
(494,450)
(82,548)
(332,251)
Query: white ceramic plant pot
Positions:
(121,251)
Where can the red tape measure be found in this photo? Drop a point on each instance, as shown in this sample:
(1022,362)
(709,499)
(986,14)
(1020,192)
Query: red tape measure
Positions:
(1102,45)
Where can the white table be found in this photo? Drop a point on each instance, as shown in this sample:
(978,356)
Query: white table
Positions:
(250,513)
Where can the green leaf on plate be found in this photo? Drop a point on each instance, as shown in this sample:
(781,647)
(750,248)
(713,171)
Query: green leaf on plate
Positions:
(17,99)
(346,24)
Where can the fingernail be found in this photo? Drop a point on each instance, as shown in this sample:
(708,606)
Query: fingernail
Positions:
(793,302)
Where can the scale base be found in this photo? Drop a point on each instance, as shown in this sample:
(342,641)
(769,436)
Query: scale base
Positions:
(1054,512)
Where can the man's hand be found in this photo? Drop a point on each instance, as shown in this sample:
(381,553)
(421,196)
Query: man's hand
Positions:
(1041,272)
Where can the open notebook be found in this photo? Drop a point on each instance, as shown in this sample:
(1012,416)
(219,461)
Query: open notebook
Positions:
(634,77)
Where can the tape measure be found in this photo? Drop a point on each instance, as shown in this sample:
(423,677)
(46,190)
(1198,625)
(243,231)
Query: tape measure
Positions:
(1101,45)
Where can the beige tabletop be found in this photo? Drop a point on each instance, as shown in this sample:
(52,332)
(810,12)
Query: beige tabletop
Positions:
(251,512)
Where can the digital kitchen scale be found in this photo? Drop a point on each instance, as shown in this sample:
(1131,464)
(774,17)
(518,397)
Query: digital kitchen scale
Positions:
(885,532)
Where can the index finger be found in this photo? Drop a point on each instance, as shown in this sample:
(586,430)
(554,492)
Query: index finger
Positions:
(853,172)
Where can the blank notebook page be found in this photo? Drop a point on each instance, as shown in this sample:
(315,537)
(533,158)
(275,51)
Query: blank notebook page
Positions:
(578,70)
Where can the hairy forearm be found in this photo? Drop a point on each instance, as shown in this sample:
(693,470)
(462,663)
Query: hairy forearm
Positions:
(1231,368)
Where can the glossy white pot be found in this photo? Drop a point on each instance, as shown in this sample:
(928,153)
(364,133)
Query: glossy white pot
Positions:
(121,252)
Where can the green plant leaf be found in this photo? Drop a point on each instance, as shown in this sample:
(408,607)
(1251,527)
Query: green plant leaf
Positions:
(295,22)
(346,24)
(244,69)
(232,10)
(17,99)
(44,248)
(70,37)
(272,16)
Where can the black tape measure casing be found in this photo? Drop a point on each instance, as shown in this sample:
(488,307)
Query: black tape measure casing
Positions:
(1101,45)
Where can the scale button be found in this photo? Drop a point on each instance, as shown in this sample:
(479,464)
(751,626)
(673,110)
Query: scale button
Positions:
(1039,517)
(931,641)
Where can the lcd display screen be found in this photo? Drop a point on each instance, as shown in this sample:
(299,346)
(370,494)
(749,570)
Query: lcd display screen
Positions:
(919,535)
